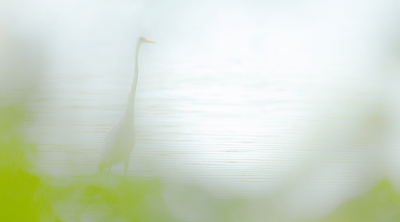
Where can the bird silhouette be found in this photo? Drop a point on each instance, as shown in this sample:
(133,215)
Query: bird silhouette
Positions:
(120,140)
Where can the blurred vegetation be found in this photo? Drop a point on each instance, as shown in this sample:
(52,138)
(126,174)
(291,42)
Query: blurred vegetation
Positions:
(130,200)
(381,204)
(25,196)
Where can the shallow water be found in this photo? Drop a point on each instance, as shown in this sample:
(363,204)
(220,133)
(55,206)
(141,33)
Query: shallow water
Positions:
(226,132)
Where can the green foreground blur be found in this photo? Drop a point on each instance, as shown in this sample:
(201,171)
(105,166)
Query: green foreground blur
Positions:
(26,196)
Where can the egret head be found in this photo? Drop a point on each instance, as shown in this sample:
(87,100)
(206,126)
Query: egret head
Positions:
(143,39)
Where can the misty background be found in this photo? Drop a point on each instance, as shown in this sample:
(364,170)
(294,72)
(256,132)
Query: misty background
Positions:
(292,105)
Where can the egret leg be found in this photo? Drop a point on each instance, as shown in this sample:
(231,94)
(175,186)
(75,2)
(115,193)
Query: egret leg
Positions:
(108,175)
(126,164)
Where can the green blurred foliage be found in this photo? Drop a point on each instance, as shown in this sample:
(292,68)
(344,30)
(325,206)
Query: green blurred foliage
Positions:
(26,196)
(381,204)
(23,195)
(128,200)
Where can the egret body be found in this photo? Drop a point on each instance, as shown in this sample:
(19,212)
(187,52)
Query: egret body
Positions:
(120,140)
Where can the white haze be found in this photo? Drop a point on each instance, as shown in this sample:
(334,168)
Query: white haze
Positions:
(245,98)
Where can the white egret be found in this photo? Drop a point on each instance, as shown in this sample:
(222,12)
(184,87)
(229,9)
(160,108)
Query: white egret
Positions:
(119,141)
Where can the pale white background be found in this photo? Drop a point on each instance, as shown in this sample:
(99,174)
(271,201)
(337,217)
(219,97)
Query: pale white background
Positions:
(294,102)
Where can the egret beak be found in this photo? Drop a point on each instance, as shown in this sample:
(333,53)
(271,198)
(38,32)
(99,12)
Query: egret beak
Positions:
(149,41)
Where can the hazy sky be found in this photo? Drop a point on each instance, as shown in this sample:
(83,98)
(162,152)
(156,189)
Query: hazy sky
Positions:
(262,36)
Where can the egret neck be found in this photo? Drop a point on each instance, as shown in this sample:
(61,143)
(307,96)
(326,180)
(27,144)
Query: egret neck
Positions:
(129,112)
